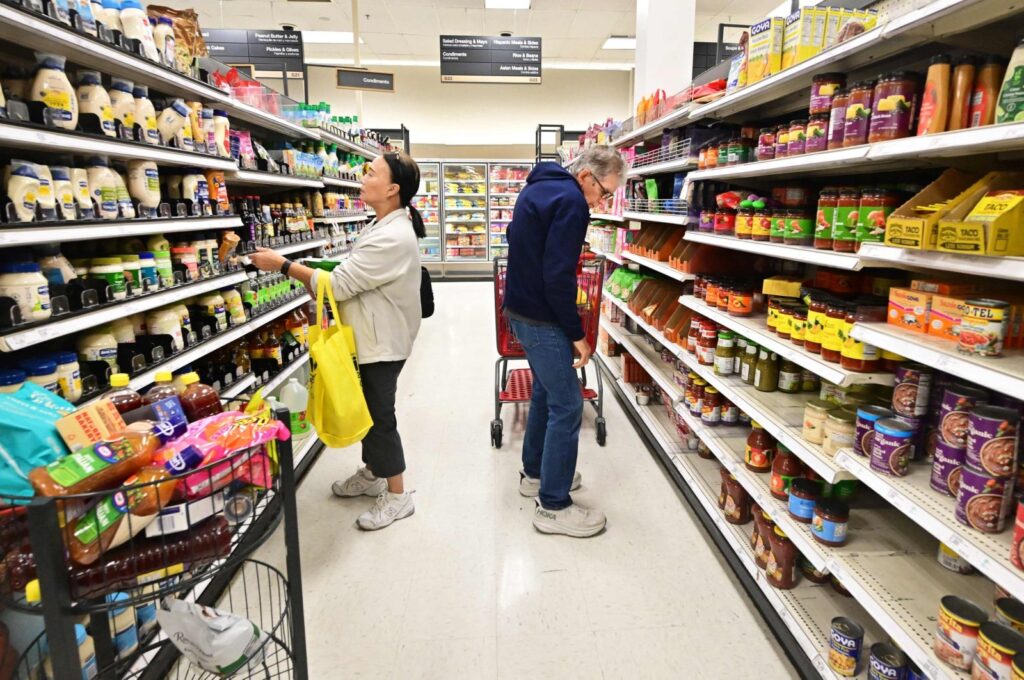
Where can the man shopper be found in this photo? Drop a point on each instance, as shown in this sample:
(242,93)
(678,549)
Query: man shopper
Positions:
(545,241)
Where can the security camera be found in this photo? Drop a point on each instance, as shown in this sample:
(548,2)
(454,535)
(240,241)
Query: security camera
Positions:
(287,27)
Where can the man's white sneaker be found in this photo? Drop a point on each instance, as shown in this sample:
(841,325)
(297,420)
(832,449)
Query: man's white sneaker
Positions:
(530,487)
(388,508)
(362,483)
(575,520)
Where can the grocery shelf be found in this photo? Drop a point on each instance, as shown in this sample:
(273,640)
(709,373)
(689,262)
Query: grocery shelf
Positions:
(935,513)
(655,417)
(656,217)
(658,266)
(52,140)
(824,258)
(301,247)
(238,387)
(841,160)
(33,233)
(1002,374)
(305,447)
(611,257)
(240,111)
(272,179)
(755,329)
(676,165)
(659,371)
(344,219)
(654,128)
(344,183)
(781,414)
(345,143)
(463,195)
(606,217)
(1011,268)
(14,339)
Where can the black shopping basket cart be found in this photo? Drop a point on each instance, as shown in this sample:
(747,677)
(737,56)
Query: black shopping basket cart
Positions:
(516,386)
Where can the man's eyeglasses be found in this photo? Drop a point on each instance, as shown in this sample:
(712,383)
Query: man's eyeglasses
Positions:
(605,195)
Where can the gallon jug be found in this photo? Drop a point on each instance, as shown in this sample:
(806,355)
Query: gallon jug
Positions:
(295,398)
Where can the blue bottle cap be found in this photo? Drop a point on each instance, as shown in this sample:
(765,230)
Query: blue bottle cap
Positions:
(12,376)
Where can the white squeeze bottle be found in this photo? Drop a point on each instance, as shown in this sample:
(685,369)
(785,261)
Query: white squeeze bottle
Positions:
(135,25)
(295,398)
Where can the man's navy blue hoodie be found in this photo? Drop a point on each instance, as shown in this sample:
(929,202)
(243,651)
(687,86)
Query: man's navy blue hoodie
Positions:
(545,239)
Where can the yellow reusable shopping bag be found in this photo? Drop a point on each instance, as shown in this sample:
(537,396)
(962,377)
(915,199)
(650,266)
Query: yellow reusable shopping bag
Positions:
(337,408)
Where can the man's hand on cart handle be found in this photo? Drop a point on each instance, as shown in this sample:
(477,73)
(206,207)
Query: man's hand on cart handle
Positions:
(583,349)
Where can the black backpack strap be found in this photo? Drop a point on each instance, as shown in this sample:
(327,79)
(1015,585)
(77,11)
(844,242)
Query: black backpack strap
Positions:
(426,294)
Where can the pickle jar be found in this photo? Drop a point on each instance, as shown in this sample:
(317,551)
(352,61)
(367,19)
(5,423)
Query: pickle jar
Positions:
(790,380)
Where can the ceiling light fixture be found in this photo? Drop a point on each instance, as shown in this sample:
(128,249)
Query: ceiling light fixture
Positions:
(619,42)
(507,4)
(328,38)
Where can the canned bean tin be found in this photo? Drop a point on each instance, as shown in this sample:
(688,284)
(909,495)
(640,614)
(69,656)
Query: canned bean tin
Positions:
(1017,549)
(867,415)
(1010,612)
(954,413)
(992,440)
(844,646)
(956,635)
(913,672)
(912,386)
(983,328)
(891,447)
(983,501)
(887,663)
(947,467)
(997,646)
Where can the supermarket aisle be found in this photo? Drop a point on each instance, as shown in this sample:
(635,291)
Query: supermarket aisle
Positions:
(467,588)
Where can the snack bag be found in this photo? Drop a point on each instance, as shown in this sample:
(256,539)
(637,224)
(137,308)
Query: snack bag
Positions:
(217,641)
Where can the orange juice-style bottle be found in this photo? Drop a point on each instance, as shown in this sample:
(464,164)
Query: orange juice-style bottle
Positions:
(199,400)
(273,349)
(162,388)
(104,465)
(257,350)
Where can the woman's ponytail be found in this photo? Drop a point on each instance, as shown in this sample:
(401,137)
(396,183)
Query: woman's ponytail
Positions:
(406,174)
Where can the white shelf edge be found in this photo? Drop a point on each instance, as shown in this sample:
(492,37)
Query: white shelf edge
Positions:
(678,220)
(656,372)
(343,219)
(338,182)
(237,387)
(611,257)
(660,267)
(36,233)
(653,128)
(272,179)
(836,158)
(675,165)
(787,350)
(309,441)
(329,136)
(1011,268)
(824,258)
(606,217)
(17,340)
(300,247)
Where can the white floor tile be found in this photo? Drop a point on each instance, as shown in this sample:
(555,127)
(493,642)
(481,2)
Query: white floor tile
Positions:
(466,587)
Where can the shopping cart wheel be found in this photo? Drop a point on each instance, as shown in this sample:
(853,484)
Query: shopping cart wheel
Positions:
(496,428)
(602,430)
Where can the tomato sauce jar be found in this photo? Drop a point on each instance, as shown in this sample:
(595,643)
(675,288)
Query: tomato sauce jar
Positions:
(894,104)
(837,119)
(744,223)
(875,207)
(799,229)
(766,144)
(823,88)
(858,113)
(828,200)
(844,223)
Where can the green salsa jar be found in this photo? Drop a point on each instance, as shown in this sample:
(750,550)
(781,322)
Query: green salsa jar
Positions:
(844,223)
(799,228)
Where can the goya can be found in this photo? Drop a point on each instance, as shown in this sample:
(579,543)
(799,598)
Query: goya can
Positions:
(887,663)
(997,647)
(983,328)
(956,634)
(1018,667)
(844,646)
(1010,612)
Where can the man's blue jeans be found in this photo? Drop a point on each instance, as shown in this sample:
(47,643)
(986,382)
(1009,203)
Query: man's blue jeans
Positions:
(556,411)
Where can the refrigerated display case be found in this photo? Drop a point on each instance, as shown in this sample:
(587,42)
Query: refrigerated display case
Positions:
(465,212)
(506,181)
(428,202)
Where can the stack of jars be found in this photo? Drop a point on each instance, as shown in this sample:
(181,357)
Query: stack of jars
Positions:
(709,405)
(850,216)
(726,152)
(737,297)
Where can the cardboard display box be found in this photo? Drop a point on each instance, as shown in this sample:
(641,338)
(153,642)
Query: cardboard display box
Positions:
(906,228)
(997,227)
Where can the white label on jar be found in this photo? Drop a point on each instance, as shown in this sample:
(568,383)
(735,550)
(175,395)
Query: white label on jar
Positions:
(789,382)
(723,365)
(46,382)
(30,298)
(70,384)
(839,440)
(745,372)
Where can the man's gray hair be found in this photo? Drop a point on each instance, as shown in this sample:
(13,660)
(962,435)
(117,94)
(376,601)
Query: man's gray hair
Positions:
(604,161)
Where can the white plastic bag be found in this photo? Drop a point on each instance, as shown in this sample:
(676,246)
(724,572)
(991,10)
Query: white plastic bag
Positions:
(216,641)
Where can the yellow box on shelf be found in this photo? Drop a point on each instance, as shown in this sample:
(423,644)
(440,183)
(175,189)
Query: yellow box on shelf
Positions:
(910,227)
(803,35)
(764,53)
(990,221)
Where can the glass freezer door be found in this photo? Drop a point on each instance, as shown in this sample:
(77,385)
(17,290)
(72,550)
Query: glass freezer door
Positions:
(428,202)
(465,212)
(506,181)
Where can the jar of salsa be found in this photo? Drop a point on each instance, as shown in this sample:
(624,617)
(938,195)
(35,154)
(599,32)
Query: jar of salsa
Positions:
(691,337)
(706,343)
(797,137)
(706,221)
(782,141)
(763,540)
(837,119)
(744,222)
(858,113)
(785,468)
(816,317)
(798,330)
(702,159)
(828,200)
(737,502)
(784,321)
(766,144)
(894,105)
(761,227)
(699,385)
(711,289)
(725,222)
(774,307)
(723,153)
(856,355)
(875,207)
(741,300)
(698,286)
(844,224)
(760,449)
(817,134)
(799,228)
(724,294)
(891,361)
(778,230)
(740,151)
(711,407)
(823,88)
(831,340)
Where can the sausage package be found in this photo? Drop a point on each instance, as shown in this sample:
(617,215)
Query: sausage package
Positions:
(216,641)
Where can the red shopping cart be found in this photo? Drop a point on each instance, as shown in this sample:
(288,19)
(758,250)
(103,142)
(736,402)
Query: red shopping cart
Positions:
(516,386)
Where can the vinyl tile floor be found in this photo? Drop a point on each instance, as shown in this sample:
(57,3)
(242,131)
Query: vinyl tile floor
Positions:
(466,588)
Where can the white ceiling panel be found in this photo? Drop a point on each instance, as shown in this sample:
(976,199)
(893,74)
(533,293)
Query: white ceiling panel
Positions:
(574,49)
(497,21)
(417,20)
(455,21)
(608,5)
(550,23)
(601,24)
(554,5)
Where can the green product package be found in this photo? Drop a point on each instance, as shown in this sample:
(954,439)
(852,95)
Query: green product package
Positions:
(651,185)
(83,464)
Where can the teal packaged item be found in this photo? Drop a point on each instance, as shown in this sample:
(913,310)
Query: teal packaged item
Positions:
(30,393)
(28,438)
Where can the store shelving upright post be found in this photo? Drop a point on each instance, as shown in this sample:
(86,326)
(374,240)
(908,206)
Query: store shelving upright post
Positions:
(428,202)
(506,181)
(465,212)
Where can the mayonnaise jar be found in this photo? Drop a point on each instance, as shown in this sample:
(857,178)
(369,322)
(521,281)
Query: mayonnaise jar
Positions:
(124,199)
(221,130)
(123,102)
(25,284)
(83,195)
(47,197)
(145,115)
(52,88)
(94,100)
(135,25)
(103,187)
(163,37)
(144,184)
(22,189)
(111,15)
(172,120)
(64,192)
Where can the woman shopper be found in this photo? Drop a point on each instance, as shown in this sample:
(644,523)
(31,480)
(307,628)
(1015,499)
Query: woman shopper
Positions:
(378,292)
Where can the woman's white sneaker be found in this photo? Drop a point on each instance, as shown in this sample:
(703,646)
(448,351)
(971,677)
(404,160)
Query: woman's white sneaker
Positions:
(389,508)
(530,487)
(362,483)
(576,520)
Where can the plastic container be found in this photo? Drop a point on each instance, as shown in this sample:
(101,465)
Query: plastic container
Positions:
(103,188)
(145,115)
(199,400)
(98,346)
(123,397)
(110,270)
(53,90)
(213,305)
(94,100)
(69,376)
(295,397)
(42,372)
(11,380)
(148,271)
(166,321)
(22,189)
(144,183)
(25,284)
(135,25)
(163,387)
(86,655)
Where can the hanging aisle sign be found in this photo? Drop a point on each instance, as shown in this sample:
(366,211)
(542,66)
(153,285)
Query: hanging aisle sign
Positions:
(267,52)
(360,79)
(483,59)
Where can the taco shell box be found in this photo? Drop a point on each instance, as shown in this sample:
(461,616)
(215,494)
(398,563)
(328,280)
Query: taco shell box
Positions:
(907,228)
(803,35)
(764,51)
(990,221)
